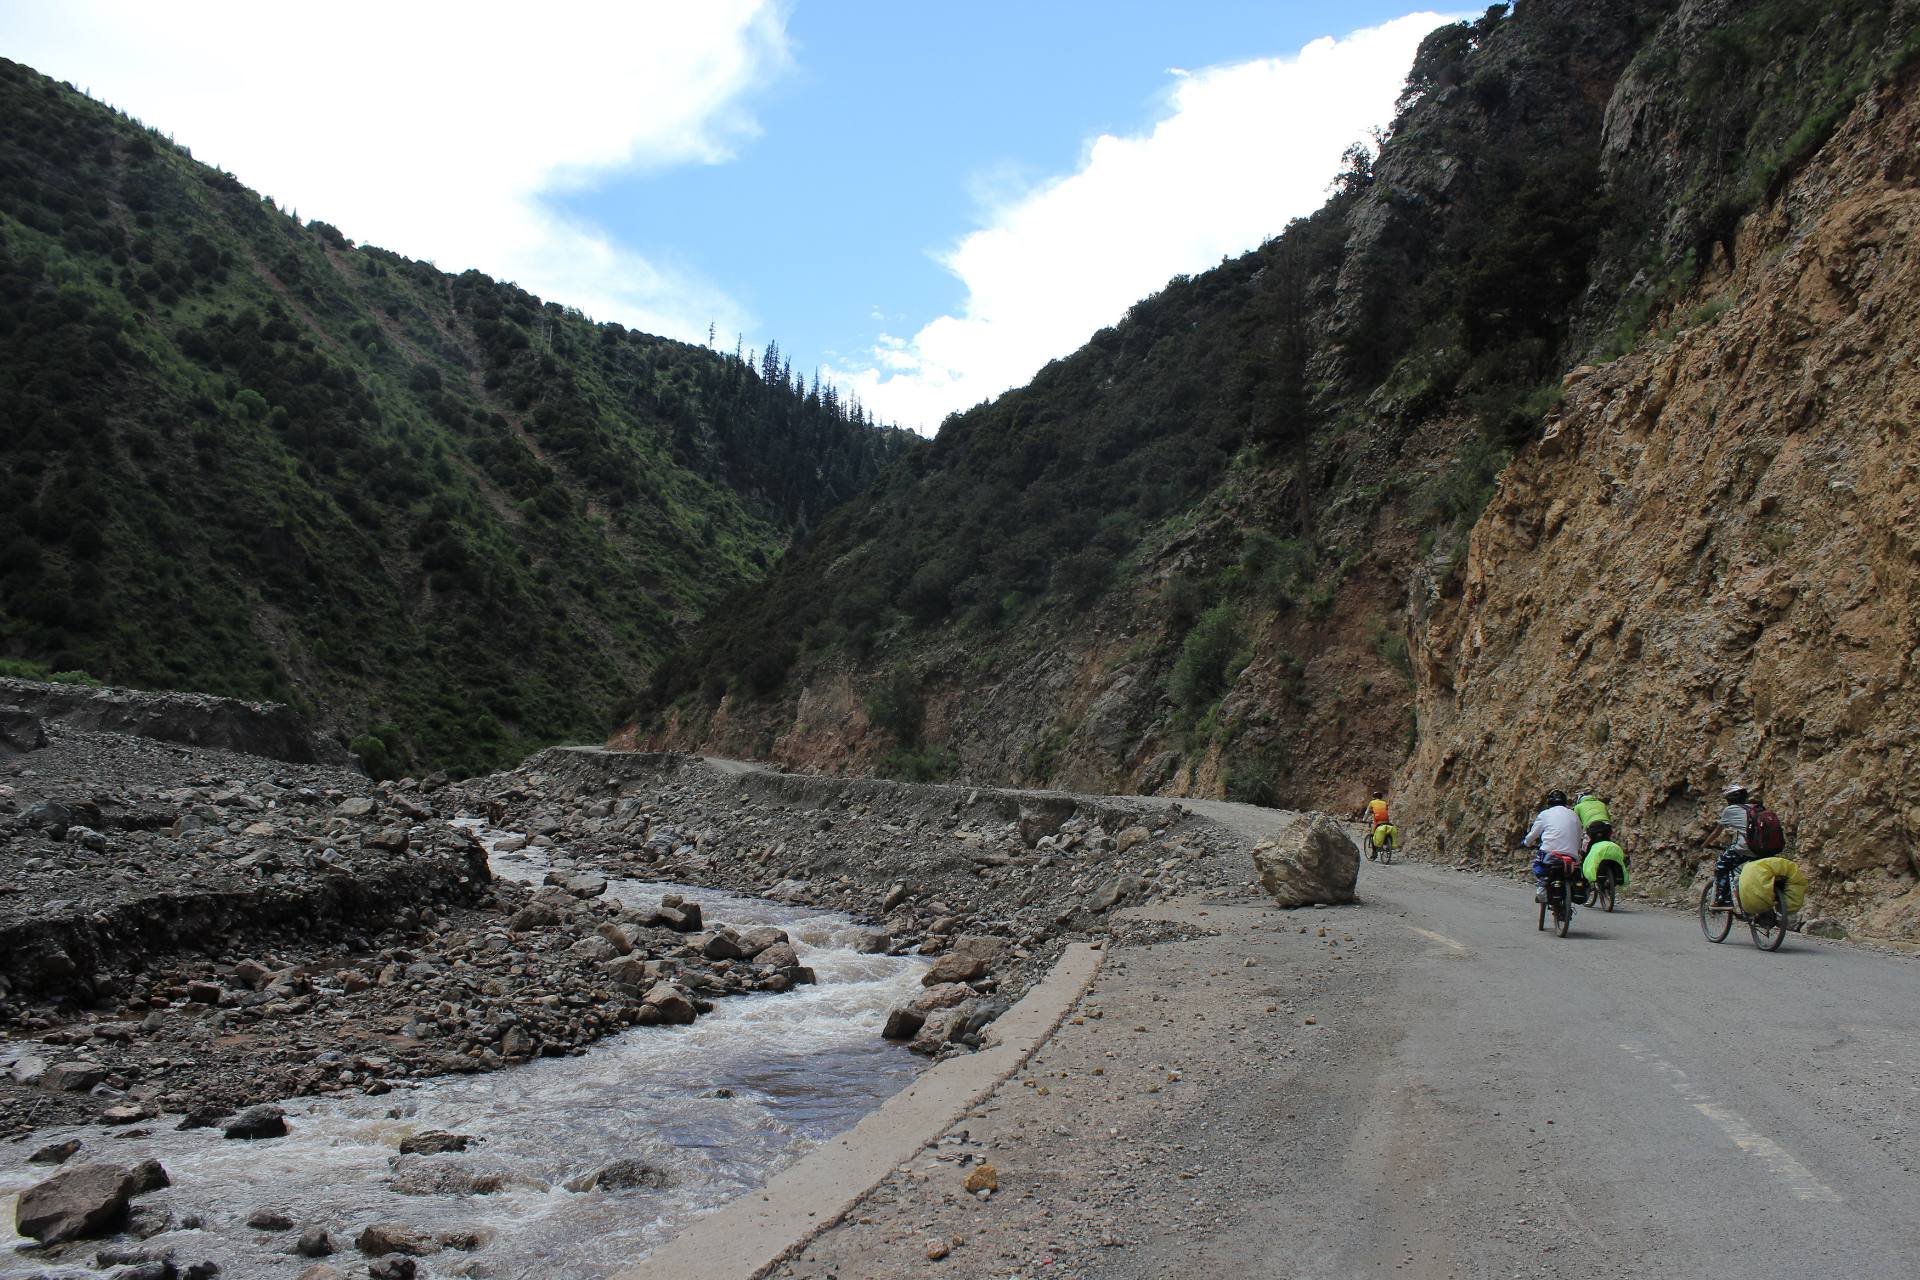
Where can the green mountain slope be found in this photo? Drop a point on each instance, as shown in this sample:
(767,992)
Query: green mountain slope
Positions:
(241,455)
(1194,555)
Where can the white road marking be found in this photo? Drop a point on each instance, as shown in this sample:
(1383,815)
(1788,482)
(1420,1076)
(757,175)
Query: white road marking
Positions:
(1779,1161)
(1440,938)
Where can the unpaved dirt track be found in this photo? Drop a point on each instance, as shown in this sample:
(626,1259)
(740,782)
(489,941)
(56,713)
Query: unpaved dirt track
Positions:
(1472,1098)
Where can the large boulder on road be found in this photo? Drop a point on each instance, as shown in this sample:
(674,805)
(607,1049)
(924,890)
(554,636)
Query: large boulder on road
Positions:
(1311,861)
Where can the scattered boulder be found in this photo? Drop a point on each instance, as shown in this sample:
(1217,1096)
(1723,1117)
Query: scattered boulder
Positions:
(941,1026)
(394,1268)
(754,941)
(971,956)
(85,1201)
(1824,927)
(51,817)
(433,1142)
(942,995)
(418,1176)
(632,971)
(873,942)
(587,884)
(77,1076)
(622,1175)
(390,839)
(595,950)
(1037,824)
(263,1121)
(270,1220)
(903,1023)
(314,1242)
(723,946)
(1311,861)
(358,807)
(149,1175)
(321,1271)
(535,915)
(20,731)
(383,1238)
(1114,892)
(55,1152)
(670,1003)
(1131,837)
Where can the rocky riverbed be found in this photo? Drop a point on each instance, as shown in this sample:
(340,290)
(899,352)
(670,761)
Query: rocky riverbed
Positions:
(196,940)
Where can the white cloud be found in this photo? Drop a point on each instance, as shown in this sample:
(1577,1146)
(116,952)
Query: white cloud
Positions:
(435,129)
(1241,150)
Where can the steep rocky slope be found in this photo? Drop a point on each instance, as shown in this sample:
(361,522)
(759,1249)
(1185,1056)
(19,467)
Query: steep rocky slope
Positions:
(1182,560)
(245,456)
(1709,567)
(1223,549)
(1174,561)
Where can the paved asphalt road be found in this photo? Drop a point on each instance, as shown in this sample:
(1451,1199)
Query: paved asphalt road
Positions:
(1661,1105)
(1426,1085)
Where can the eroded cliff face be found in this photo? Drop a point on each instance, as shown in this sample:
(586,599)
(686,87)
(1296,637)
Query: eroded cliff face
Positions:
(1709,567)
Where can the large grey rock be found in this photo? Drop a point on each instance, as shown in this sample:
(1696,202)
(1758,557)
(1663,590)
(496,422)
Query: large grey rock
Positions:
(622,1175)
(20,731)
(670,1003)
(87,1200)
(77,1076)
(263,1121)
(972,955)
(1311,861)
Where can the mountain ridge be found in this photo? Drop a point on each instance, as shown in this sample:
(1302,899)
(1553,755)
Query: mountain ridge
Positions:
(446,518)
(1561,180)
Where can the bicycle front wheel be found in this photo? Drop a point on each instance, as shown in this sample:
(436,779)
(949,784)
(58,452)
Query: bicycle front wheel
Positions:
(1715,922)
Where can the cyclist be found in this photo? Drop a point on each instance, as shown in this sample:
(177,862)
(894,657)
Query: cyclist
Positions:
(1376,815)
(1555,833)
(1595,822)
(1733,818)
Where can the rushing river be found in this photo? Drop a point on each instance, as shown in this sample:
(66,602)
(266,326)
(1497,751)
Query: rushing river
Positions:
(720,1106)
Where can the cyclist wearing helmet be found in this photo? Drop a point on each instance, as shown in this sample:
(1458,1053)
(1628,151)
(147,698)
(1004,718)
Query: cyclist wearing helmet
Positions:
(1555,833)
(1593,815)
(1733,818)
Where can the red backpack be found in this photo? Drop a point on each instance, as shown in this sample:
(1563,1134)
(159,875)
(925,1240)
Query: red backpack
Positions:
(1764,834)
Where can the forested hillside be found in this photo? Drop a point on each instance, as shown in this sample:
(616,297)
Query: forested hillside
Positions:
(1195,556)
(241,454)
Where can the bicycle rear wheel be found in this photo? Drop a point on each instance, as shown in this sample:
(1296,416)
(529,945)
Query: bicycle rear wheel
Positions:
(1770,927)
(1562,917)
(1715,922)
(1604,891)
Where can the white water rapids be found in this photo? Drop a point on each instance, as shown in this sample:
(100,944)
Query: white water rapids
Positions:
(720,1105)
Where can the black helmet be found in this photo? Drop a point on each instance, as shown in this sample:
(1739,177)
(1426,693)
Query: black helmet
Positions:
(1556,798)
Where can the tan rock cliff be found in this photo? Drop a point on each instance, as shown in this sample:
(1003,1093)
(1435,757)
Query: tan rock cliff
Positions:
(1709,568)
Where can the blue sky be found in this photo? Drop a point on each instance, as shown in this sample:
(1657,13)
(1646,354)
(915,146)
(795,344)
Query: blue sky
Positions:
(893,123)
(929,201)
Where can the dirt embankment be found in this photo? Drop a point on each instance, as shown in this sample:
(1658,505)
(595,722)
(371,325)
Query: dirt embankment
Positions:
(268,729)
(1709,569)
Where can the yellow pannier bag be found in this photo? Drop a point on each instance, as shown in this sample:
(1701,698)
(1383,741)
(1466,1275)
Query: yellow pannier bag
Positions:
(1756,885)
